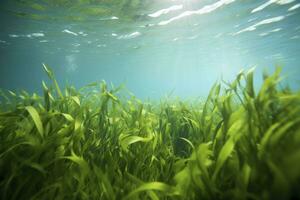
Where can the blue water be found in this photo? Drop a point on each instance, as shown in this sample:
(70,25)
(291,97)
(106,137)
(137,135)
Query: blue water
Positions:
(153,47)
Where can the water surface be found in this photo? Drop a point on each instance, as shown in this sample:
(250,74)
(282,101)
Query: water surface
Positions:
(152,46)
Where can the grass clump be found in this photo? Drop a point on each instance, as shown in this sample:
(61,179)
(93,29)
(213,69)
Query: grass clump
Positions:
(91,144)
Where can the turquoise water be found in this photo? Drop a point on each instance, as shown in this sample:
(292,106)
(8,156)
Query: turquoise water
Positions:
(154,47)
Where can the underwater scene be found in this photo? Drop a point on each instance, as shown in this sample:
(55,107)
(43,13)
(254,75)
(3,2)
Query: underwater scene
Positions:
(150,99)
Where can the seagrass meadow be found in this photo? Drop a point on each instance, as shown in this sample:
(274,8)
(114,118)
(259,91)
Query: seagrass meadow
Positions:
(91,143)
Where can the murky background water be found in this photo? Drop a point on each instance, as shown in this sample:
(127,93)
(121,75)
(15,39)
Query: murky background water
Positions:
(153,46)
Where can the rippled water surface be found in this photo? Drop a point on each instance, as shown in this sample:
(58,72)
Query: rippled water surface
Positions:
(153,46)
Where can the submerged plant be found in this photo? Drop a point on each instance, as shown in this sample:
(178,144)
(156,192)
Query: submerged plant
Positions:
(92,144)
